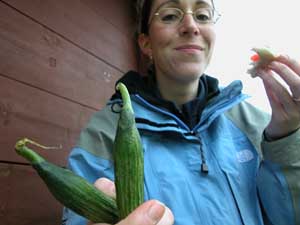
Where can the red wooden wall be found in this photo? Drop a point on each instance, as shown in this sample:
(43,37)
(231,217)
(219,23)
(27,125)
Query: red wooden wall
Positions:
(59,60)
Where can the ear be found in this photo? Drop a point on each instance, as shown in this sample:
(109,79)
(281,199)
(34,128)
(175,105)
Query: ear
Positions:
(145,44)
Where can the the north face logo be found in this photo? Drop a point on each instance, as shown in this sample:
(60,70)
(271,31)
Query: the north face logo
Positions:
(244,156)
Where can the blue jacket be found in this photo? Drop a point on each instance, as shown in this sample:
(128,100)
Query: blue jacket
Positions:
(250,181)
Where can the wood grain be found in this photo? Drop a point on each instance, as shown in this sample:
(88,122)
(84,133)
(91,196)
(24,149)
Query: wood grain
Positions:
(29,112)
(34,55)
(25,200)
(100,27)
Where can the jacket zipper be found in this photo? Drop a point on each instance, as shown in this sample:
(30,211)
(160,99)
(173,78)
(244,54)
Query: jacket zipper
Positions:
(204,166)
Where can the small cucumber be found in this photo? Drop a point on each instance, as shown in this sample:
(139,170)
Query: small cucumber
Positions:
(128,159)
(70,189)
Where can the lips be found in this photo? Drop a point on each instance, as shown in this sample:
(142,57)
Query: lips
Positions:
(189,47)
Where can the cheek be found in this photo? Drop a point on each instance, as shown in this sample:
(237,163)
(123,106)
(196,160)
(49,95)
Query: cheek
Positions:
(160,36)
(209,36)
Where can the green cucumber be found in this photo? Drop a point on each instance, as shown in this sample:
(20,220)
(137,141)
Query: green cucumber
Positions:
(70,189)
(128,159)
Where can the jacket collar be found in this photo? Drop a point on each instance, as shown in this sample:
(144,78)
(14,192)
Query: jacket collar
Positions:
(190,112)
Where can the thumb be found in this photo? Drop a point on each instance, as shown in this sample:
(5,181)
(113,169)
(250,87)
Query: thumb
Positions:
(149,213)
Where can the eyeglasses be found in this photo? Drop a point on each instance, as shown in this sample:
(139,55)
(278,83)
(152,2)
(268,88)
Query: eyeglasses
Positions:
(174,16)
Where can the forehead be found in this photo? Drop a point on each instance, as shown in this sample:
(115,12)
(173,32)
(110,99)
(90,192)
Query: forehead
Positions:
(159,3)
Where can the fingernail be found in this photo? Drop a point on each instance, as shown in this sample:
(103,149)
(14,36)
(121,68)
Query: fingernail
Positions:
(156,211)
(286,57)
(272,65)
(112,188)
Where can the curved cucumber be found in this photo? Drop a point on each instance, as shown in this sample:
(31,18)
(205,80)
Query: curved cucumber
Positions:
(128,159)
(70,189)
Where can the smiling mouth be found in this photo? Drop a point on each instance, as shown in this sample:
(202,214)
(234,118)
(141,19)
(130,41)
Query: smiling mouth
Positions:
(189,48)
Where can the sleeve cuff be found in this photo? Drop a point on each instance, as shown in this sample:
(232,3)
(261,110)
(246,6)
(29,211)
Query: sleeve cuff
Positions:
(284,151)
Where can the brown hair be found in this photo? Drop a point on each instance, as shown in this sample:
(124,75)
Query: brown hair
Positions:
(142,13)
(146,9)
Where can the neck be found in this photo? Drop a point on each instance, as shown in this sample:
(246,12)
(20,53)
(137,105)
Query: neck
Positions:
(178,92)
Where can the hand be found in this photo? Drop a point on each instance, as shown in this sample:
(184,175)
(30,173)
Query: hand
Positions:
(285,105)
(151,212)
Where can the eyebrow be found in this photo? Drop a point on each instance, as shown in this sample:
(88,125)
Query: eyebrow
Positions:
(203,3)
(199,2)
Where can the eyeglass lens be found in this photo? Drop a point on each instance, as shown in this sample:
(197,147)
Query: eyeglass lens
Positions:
(175,15)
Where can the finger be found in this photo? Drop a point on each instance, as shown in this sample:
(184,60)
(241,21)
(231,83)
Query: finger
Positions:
(273,100)
(167,219)
(290,62)
(107,186)
(149,213)
(288,75)
(278,95)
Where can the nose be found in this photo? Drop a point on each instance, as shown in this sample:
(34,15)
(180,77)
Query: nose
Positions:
(189,25)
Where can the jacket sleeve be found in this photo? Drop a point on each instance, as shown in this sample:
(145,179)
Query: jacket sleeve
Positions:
(278,176)
(92,156)
(278,179)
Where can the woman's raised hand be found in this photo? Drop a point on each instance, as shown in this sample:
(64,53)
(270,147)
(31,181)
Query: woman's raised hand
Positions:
(151,212)
(285,104)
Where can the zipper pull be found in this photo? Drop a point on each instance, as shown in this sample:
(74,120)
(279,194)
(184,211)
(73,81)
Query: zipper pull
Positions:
(204,168)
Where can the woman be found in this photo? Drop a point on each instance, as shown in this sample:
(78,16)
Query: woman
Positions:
(210,157)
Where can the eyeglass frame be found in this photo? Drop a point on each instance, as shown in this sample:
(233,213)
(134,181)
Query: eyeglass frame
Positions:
(216,14)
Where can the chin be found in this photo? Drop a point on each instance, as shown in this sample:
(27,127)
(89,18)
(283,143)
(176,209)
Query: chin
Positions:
(191,71)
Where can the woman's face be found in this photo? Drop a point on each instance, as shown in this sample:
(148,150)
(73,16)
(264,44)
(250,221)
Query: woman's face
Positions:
(181,52)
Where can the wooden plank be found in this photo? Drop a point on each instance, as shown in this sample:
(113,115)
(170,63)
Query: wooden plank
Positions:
(91,25)
(119,13)
(25,200)
(33,54)
(29,112)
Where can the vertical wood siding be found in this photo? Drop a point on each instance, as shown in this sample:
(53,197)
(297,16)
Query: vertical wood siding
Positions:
(59,60)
